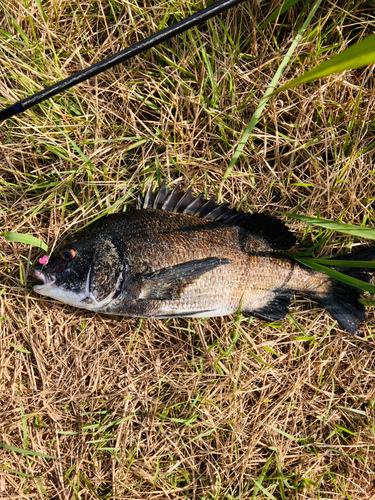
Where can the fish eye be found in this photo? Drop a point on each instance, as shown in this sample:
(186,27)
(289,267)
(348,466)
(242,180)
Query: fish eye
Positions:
(68,254)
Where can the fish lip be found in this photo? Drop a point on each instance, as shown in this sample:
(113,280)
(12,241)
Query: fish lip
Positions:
(39,275)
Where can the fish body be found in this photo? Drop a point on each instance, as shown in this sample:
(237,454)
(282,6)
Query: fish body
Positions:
(182,256)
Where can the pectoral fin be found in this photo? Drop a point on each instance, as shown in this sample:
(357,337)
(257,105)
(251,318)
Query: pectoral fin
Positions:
(168,283)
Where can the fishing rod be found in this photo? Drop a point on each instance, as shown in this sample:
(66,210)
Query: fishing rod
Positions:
(120,57)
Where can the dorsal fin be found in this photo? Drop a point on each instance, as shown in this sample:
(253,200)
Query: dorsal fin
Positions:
(260,226)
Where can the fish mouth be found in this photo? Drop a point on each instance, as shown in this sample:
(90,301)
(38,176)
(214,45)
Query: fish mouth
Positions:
(41,276)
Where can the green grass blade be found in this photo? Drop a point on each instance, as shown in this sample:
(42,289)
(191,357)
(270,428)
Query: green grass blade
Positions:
(348,280)
(42,11)
(89,485)
(25,452)
(258,484)
(20,349)
(80,152)
(285,434)
(345,263)
(201,436)
(26,239)
(280,10)
(263,490)
(258,112)
(350,229)
(20,474)
(360,54)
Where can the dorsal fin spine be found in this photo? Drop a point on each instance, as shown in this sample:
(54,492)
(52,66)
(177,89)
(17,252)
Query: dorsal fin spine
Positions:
(186,196)
(148,196)
(161,196)
(195,205)
(206,208)
(169,203)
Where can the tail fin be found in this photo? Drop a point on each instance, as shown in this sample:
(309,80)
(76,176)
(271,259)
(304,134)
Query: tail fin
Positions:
(341,300)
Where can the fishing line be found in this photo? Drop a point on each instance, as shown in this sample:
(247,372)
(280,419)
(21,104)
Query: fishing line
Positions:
(120,57)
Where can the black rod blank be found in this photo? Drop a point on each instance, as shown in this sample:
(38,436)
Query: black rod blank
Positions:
(118,58)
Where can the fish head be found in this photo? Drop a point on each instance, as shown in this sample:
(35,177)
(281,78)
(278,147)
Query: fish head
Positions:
(85,273)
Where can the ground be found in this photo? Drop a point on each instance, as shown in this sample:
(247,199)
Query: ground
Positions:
(105,407)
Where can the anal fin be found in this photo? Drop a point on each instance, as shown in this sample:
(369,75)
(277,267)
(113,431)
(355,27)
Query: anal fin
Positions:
(277,307)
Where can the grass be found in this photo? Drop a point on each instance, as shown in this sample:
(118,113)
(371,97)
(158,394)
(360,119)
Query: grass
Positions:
(228,408)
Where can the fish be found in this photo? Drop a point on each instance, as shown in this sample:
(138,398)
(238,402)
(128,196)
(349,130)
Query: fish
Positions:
(177,255)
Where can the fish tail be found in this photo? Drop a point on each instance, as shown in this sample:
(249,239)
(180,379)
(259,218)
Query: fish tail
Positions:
(342,300)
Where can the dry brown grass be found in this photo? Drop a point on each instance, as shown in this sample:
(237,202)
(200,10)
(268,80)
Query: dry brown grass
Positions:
(216,409)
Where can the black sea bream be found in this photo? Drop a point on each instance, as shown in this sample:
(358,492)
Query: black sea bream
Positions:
(183,256)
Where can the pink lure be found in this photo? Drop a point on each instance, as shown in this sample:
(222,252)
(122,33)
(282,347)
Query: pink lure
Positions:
(43,260)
